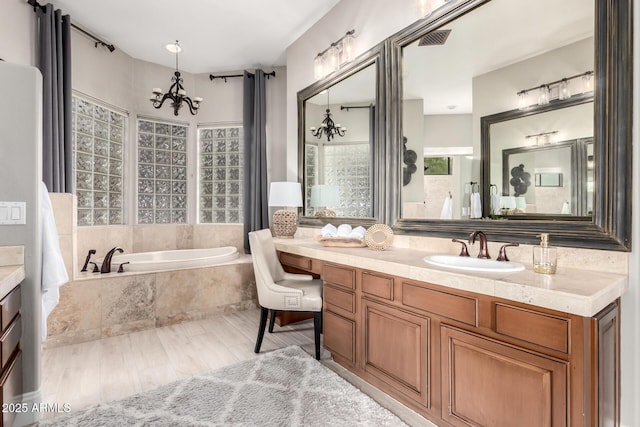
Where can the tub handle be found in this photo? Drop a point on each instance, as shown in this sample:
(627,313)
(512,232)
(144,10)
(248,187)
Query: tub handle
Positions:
(87,259)
(121,268)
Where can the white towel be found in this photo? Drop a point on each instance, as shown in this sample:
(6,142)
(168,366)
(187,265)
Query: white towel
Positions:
(476,206)
(566,208)
(54,273)
(358,232)
(447,208)
(344,230)
(495,204)
(329,230)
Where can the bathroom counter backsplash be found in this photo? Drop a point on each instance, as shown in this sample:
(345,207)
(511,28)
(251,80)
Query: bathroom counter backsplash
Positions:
(571,290)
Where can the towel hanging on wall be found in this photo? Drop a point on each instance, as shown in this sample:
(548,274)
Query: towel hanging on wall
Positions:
(476,205)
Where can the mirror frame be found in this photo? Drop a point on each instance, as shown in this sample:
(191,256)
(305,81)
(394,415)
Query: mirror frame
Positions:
(610,225)
(485,148)
(375,56)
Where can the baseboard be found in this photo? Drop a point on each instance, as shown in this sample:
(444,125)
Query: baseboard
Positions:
(29,400)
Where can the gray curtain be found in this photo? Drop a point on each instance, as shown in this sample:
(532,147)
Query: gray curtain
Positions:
(256,211)
(54,62)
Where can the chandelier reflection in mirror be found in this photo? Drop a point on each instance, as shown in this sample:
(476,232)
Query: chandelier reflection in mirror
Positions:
(328,127)
(177,94)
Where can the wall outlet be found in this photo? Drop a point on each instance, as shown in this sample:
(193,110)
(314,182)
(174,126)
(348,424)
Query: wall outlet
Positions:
(12,213)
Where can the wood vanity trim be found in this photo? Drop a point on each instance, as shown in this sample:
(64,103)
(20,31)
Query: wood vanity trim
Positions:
(456,307)
(533,327)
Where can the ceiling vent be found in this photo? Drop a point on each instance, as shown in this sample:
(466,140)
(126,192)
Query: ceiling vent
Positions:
(435,38)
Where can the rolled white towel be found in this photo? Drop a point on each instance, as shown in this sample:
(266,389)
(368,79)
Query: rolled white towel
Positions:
(566,208)
(358,232)
(329,230)
(344,230)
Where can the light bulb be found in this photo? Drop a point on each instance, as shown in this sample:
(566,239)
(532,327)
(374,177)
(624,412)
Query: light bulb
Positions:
(318,69)
(522,100)
(563,90)
(543,97)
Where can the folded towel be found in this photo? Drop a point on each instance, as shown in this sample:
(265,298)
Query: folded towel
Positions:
(344,230)
(447,208)
(476,206)
(54,273)
(329,230)
(358,232)
(566,208)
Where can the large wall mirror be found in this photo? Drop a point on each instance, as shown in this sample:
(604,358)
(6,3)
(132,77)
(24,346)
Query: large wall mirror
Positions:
(339,170)
(480,83)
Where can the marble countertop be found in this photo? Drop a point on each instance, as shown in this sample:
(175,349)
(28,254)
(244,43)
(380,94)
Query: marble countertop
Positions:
(570,290)
(10,277)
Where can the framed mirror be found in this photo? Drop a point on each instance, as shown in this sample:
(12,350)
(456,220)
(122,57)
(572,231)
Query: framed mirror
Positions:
(472,60)
(341,125)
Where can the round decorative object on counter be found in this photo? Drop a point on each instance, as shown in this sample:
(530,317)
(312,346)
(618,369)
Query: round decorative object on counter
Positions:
(379,237)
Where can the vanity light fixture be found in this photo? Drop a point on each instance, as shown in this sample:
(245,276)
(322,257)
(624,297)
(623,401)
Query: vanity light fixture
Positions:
(544,137)
(328,127)
(177,94)
(559,89)
(337,54)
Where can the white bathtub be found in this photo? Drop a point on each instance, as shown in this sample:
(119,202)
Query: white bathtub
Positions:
(173,259)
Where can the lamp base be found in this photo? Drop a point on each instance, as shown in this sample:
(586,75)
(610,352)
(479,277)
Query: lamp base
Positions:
(285,223)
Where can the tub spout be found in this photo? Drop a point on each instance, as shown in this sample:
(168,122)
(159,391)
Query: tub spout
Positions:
(106,262)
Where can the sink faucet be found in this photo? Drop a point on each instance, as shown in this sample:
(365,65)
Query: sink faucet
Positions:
(106,262)
(484,251)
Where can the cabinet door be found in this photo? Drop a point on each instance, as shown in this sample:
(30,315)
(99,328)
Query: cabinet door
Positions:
(339,336)
(488,383)
(396,346)
(608,365)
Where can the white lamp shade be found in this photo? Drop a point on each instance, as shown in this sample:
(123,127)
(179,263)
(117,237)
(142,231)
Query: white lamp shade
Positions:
(285,194)
(324,195)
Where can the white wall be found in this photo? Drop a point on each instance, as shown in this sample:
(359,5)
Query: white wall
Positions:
(17,32)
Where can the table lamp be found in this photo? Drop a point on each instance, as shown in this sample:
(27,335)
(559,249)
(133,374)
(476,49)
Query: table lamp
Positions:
(323,196)
(287,195)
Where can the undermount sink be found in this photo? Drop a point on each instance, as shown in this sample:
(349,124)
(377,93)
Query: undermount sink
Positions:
(473,264)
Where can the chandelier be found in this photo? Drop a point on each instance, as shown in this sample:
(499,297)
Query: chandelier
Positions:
(176,92)
(328,127)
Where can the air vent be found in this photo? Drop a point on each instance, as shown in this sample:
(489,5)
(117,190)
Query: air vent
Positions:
(435,38)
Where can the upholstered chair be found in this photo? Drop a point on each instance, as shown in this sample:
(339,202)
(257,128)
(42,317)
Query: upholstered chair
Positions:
(282,291)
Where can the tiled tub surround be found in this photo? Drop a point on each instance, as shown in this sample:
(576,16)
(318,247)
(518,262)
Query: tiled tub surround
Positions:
(573,289)
(100,305)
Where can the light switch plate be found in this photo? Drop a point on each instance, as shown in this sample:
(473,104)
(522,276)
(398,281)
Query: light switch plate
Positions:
(12,213)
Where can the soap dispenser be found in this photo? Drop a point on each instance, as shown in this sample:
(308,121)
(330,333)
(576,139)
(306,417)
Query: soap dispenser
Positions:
(545,257)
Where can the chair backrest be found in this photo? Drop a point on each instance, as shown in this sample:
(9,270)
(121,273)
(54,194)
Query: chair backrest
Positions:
(266,266)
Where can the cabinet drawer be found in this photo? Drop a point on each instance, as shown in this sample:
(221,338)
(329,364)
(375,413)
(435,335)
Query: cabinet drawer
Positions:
(455,307)
(296,261)
(339,300)
(9,341)
(338,275)
(377,285)
(9,307)
(536,328)
(11,387)
(339,336)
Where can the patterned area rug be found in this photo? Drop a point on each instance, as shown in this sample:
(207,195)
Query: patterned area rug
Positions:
(285,387)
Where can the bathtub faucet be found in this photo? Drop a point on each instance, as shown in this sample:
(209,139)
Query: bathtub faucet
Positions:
(106,262)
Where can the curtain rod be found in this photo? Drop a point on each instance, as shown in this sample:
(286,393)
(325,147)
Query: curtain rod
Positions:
(267,75)
(98,41)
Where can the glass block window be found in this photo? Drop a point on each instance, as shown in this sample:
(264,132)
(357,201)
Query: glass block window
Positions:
(221,174)
(98,137)
(162,172)
(310,175)
(347,166)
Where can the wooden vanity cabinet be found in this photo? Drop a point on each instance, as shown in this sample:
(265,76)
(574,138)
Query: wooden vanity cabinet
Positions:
(299,265)
(10,353)
(465,359)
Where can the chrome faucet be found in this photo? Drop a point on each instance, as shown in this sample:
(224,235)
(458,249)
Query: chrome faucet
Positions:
(106,262)
(484,250)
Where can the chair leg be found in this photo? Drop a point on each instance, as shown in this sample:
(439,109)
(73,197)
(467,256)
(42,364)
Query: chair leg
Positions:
(263,323)
(317,328)
(272,320)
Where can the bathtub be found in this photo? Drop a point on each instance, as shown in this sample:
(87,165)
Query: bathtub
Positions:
(173,259)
